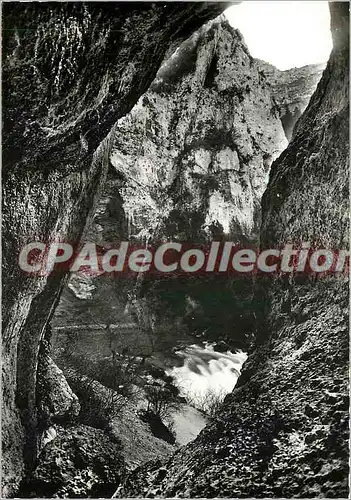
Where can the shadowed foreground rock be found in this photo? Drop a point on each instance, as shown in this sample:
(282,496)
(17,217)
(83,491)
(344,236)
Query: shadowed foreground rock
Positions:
(284,430)
(79,462)
(70,70)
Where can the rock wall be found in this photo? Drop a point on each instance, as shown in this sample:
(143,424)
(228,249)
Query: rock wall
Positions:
(70,71)
(192,160)
(292,90)
(284,430)
(195,151)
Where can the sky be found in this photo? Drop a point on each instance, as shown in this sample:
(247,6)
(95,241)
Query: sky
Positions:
(286,34)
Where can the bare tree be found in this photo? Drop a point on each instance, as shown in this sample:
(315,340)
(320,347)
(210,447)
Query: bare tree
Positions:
(161,399)
(209,403)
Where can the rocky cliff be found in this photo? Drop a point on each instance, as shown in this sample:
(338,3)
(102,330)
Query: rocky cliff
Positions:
(292,90)
(192,159)
(70,71)
(196,149)
(189,163)
(284,430)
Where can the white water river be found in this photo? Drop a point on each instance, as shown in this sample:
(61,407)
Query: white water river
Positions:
(206,370)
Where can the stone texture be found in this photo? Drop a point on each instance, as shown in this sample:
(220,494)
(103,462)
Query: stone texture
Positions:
(81,462)
(195,151)
(57,399)
(70,71)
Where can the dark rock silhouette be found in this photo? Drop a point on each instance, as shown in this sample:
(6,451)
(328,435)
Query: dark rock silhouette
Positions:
(70,71)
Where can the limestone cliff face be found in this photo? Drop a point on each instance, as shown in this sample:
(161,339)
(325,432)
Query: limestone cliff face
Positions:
(194,156)
(191,162)
(195,151)
(292,90)
(284,430)
(70,71)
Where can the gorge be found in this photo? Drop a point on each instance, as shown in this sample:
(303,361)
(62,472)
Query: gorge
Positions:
(172,142)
